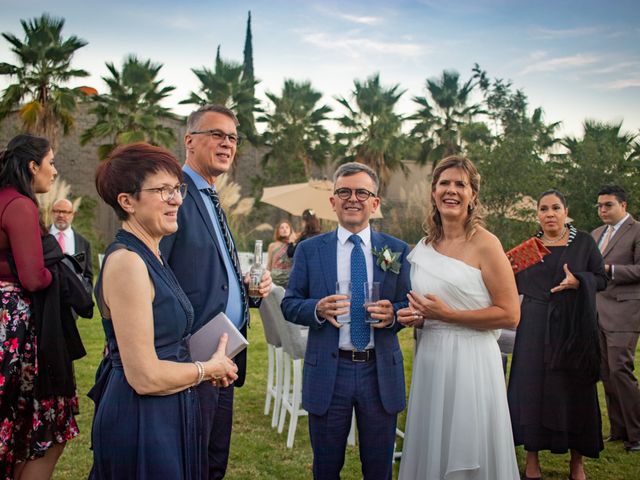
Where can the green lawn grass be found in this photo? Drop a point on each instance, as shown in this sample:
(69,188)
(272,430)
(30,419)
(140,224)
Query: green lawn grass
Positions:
(259,452)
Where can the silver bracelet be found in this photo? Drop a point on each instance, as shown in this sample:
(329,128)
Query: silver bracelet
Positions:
(200,368)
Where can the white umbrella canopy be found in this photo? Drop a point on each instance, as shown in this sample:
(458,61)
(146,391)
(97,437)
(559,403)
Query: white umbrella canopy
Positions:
(298,197)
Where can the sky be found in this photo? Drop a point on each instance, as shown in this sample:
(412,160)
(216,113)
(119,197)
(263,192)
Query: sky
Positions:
(576,59)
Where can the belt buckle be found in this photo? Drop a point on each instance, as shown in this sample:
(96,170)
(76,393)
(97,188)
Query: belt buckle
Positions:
(363,357)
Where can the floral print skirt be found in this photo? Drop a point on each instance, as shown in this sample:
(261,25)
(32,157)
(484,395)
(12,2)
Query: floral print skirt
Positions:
(28,426)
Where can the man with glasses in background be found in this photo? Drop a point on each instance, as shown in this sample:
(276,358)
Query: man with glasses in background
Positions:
(203,256)
(619,314)
(351,363)
(71,242)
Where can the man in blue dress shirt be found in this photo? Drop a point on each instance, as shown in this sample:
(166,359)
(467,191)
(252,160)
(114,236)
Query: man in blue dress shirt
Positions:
(203,256)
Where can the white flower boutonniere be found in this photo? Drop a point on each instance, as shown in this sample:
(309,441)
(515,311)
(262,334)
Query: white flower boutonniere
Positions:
(387,260)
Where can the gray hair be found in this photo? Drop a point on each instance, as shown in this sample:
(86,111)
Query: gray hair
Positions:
(351,168)
(195,116)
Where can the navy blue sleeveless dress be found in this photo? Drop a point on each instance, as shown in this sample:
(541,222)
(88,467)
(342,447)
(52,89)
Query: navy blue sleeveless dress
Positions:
(146,436)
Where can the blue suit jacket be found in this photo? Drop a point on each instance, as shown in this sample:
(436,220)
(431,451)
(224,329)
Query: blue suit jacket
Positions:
(314,277)
(197,260)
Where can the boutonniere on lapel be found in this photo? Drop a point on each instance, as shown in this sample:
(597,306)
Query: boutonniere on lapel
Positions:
(387,260)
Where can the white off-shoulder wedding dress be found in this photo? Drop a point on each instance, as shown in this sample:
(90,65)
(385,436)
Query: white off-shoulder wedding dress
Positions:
(458,424)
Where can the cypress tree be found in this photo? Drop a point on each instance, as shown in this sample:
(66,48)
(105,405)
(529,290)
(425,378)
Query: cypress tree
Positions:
(247,72)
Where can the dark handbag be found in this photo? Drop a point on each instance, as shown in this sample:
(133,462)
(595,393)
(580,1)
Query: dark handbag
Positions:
(76,289)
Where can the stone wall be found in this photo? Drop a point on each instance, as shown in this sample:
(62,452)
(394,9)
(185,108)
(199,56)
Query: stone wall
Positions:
(76,164)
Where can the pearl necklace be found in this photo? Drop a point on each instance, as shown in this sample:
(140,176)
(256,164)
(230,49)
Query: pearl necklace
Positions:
(557,239)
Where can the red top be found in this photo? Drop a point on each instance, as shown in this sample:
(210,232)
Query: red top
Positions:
(20,234)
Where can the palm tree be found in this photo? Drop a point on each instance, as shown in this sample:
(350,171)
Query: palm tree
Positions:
(226,85)
(43,68)
(131,111)
(605,154)
(295,131)
(372,130)
(440,119)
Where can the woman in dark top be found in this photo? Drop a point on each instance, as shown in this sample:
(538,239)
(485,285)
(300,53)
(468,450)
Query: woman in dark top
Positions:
(146,423)
(552,388)
(310,228)
(33,431)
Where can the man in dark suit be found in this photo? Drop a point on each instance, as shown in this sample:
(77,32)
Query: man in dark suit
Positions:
(71,241)
(351,365)
(619,314)
(203,256)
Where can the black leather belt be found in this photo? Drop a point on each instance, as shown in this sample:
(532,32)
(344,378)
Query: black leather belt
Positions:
(357,356)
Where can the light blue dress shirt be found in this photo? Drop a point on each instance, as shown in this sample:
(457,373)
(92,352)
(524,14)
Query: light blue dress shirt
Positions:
(234,308)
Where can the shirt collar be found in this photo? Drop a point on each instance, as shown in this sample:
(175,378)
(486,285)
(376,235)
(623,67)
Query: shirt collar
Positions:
(201,183)
(54,231)
(619,224)
(365,235)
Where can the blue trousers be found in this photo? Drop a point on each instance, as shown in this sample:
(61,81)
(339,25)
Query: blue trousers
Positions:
(216,408)
(356,387)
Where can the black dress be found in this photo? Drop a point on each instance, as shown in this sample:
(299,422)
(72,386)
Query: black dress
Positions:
(556,408)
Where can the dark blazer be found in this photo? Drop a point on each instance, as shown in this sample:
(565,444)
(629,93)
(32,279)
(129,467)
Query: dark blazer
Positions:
(197,260)
(314,277)
(59,341)
(83,246)
(618,305)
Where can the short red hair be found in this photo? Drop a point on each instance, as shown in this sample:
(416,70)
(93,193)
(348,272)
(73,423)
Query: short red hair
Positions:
(127,167)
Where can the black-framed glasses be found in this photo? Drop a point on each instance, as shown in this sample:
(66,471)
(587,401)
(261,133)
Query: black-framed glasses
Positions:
(362,194)
(61,212)
(167,192)
(218,135)
(605,205)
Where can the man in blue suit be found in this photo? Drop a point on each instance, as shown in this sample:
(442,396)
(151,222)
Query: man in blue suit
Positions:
(351,365)
(203,256)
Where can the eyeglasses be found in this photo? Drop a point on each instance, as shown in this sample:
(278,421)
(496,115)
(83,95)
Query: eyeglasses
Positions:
(168,193)
(219,135)
(62,212)
(605,205)
(362,194)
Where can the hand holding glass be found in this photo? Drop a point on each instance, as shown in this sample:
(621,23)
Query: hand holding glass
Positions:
(344,288)
(371,297)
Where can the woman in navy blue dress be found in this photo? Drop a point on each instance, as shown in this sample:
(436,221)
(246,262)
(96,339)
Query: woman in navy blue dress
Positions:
(146,423)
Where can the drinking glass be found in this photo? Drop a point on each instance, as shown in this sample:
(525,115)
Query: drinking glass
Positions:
(344,288)
(371,296)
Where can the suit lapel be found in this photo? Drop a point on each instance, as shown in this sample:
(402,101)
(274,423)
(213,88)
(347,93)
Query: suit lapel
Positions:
(377,243)
(329,261)
(624,228)
(196,196)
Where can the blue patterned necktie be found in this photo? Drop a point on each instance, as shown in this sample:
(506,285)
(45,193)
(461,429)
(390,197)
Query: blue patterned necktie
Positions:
(228,243)
(359,329)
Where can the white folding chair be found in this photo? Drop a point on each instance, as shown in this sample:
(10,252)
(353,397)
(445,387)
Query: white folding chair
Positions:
(351,439)
(294,345)
(397,453)
(269,312)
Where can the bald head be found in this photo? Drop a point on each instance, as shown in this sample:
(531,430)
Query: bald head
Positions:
(62,214)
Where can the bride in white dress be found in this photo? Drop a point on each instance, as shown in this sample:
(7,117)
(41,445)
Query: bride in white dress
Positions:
(463,292)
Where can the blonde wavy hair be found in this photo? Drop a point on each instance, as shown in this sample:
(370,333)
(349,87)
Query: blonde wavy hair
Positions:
(432,225)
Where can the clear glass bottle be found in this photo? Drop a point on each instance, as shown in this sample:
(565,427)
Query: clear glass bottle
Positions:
(255,274)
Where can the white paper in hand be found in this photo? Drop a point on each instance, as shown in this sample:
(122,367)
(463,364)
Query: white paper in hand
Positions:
(204,342)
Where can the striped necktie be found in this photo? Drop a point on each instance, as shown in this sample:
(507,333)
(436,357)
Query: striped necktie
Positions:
(359,329)
(229,244)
